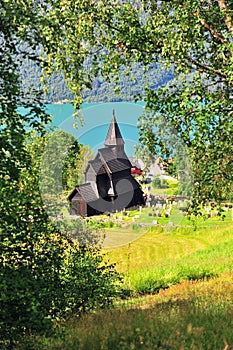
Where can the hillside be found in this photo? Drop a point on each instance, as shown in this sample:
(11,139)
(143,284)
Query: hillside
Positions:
(102,91)
(184,277)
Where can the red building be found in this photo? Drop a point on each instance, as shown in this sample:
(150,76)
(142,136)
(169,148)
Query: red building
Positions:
(135,171)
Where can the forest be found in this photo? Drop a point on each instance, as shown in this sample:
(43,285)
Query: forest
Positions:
(128,87)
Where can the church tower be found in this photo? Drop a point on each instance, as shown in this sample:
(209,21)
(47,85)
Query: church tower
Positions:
(114,138)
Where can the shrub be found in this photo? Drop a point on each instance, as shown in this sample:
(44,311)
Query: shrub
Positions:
(110,224)
(89,282)
(30,283)
(159,183)
(49,276)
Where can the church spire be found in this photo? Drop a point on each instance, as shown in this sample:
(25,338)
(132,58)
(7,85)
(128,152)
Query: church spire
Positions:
(114,137)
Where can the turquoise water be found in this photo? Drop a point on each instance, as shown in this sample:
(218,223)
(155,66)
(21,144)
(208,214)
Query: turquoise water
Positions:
(96,119)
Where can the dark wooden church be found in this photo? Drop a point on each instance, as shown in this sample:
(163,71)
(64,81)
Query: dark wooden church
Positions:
(109,185)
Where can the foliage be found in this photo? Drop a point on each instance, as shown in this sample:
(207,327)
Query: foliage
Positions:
(27,247)
(60,161)
(57,157)
(102,91)
(44,273)
(38,262)
(191,39)
(159,183)
(75,170)
(81,231)
(52,280)
(90,283)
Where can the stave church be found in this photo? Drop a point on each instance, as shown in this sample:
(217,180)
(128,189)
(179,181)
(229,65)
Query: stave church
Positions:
(109,185)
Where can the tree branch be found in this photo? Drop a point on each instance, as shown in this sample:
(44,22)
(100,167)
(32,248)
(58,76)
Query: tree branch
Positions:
(213,31)
(205,67)
(228,19)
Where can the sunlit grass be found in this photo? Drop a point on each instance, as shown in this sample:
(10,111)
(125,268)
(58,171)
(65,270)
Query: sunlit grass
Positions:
(161,258)
(159,244)
(192,315)
(198,265)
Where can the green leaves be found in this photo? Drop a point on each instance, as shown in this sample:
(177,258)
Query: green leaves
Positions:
(37,260)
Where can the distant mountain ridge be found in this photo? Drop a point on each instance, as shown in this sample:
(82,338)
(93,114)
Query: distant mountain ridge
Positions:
(102,91)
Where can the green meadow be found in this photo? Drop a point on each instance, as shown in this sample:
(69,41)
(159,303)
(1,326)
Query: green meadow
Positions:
(161,258)
(177,292)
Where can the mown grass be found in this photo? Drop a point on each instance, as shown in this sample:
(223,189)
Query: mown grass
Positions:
(117,237)
(161,243)
(161,258)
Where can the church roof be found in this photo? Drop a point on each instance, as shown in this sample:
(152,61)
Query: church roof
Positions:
(98,166)
(107,154)
(88,192)
(114,164)
(114,137)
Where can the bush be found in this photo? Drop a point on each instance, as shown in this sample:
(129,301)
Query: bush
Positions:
(159,183)
(110,224)
(89,282)
(50,277)
(30,283)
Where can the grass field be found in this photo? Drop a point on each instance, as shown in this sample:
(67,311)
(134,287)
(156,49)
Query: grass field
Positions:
(161,258)
(189,316)
(181,293)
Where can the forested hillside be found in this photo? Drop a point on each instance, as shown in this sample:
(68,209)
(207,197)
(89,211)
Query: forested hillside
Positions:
(130,84)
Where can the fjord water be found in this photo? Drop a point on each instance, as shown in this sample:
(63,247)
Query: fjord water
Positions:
(96,119)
